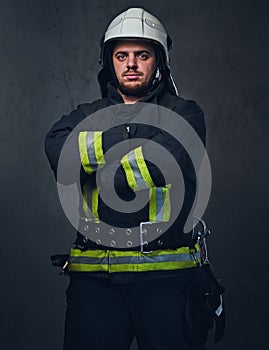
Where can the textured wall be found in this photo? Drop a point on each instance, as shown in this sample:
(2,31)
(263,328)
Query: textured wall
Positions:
(48,62)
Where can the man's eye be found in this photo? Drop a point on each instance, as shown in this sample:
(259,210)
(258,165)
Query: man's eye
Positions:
(143,56)
(121,57)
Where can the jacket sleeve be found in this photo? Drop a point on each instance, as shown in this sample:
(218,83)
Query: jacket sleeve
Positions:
(135,168)
(141,173)
(55,140)
(90,144)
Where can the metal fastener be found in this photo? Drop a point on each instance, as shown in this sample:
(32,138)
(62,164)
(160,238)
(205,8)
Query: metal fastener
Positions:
(129,243)
(111,231)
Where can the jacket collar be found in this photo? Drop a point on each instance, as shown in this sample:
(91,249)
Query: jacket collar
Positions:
(115,98)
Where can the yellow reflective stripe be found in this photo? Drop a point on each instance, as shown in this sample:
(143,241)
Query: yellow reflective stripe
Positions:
(130,268)
(152,204)
(159,204)
(90,203)
(95,204)
(143,167)
(87,267)
(152,266)
(102,260)
(97,253)
(136,170)
(167,203)
(98,147)
(82,145)
(129,173)
(91,150)
(100,253)
(85,200)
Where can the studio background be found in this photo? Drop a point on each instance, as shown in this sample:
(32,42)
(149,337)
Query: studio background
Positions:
(48,65)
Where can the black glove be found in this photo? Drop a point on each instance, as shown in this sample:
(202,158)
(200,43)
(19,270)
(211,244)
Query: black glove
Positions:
(59,260)
(203,306)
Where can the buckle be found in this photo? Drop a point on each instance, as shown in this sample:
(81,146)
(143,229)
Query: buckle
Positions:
(200,238)
(143,243)
(138,237)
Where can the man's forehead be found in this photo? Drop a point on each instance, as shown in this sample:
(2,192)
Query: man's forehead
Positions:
(133,45)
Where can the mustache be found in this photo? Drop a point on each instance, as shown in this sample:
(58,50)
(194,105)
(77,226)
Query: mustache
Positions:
(131,71)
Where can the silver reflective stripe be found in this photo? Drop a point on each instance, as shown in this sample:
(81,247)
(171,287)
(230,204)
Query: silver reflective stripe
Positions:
(132,259)
(136,171)
(159,204)
(135,261)
(90,149)
(143,259)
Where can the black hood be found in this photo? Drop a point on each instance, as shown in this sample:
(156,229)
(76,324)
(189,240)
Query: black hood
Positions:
(107,74)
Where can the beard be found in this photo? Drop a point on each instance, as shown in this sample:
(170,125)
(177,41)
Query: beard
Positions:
(136,90)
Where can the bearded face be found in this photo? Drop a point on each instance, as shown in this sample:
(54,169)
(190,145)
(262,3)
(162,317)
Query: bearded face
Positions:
(134,64)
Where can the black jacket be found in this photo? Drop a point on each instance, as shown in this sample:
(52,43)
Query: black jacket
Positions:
(189,110)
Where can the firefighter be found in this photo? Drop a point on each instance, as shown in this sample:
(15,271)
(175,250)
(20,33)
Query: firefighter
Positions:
(121,291)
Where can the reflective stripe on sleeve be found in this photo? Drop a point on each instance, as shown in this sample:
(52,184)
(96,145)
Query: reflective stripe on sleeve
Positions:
(159,204)
(136,170)
(95,204)
(90,203)
(90,150)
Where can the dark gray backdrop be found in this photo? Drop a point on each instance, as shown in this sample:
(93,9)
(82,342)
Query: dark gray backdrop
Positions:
(49,59)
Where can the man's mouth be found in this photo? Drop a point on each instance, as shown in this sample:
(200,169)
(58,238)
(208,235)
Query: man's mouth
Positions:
(132,76)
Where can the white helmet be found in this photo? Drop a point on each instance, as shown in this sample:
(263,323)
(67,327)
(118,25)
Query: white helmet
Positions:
(136,23)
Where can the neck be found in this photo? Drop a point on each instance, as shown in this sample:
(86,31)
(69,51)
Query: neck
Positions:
(129,99)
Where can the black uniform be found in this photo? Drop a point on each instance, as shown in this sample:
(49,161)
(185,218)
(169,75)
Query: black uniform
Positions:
(105,311)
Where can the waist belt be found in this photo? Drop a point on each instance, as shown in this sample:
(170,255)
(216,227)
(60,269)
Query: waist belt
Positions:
(132,261)
(147,237)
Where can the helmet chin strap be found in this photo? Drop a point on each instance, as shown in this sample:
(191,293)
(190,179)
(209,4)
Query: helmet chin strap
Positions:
(157,78)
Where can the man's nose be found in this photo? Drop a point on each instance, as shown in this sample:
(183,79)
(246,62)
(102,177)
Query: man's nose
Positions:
(131,62)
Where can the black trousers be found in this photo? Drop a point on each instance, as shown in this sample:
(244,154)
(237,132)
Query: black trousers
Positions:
(103,315)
